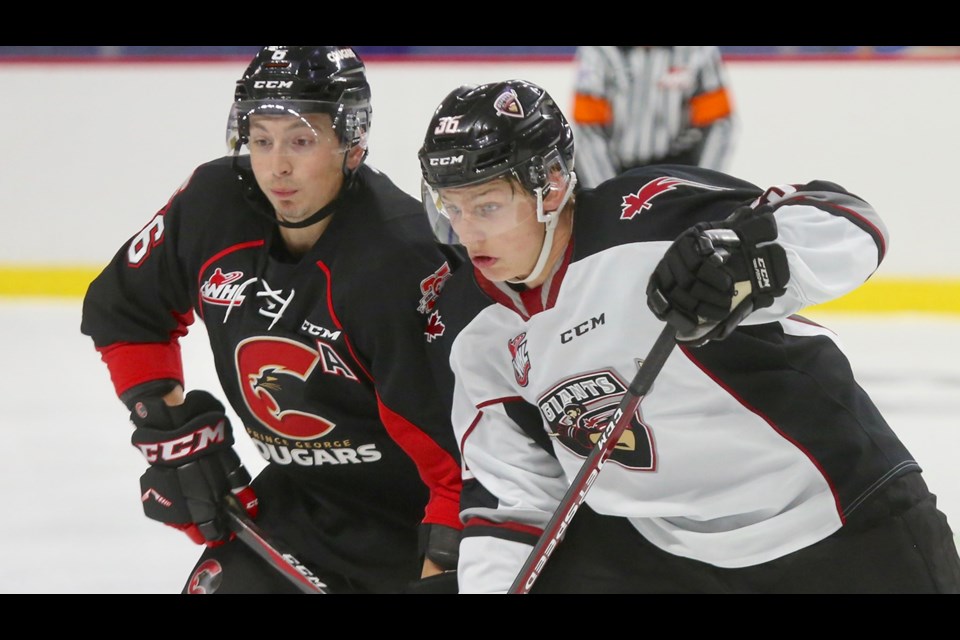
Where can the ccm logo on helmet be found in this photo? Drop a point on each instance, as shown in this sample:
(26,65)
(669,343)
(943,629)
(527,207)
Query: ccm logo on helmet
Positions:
(448,160)
(273,84)
(173,450)
(340,54)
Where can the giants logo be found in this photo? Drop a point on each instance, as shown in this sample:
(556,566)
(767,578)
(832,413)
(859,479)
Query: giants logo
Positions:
(508,104)
(578,410)
(634,203)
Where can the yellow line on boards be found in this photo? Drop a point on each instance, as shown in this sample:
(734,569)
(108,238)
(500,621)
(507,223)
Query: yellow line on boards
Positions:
(878,295)
(45,282)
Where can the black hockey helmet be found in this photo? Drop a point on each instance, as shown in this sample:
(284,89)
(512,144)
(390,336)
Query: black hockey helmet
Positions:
(301,80)
(298,81)
(503,129)
(482,132)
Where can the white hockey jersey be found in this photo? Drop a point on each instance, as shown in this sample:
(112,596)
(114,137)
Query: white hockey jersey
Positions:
(744,449)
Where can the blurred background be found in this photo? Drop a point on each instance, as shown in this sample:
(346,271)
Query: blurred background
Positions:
(731,52)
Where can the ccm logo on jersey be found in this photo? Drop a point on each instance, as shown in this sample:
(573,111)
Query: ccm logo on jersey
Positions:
(582,328)
(634,203)
(316,330)
(177,448)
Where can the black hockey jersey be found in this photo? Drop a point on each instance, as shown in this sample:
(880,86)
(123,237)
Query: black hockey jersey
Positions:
(744,450)
(321,357)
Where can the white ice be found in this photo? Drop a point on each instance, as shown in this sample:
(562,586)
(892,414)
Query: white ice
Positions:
(69,494)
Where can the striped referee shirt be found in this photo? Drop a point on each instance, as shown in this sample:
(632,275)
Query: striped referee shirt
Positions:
(635,106)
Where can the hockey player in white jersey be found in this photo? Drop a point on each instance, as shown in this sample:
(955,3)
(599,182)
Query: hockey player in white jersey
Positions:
(755,464)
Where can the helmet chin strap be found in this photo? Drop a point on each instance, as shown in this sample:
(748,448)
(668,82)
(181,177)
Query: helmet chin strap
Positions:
(549,220)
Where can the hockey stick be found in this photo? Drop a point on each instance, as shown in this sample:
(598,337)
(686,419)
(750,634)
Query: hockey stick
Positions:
(577,492)
(283,561)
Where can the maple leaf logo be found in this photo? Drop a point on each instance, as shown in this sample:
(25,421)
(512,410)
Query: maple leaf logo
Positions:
(635,203)
(435,327)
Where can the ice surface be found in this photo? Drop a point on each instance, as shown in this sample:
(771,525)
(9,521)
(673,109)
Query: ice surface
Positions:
(72,521)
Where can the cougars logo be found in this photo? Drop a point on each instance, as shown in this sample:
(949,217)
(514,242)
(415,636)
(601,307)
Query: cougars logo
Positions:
(272,374)
(634,203)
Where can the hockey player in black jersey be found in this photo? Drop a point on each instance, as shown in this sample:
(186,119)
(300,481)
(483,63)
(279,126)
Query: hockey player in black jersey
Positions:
(315,277)
(754,464)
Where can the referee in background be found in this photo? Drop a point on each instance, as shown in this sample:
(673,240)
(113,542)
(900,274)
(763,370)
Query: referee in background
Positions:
(636,106)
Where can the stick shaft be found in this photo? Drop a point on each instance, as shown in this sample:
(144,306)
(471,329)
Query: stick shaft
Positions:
(283,561)
(577,491)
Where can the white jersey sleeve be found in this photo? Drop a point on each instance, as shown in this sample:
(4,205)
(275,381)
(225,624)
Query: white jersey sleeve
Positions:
(829,254)
(499,456)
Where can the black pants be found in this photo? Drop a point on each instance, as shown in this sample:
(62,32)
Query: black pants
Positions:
(898,542)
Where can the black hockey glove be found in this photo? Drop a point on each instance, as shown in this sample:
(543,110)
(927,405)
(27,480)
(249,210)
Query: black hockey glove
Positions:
(716,274)
(192,466)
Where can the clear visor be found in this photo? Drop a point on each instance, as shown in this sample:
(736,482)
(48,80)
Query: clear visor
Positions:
(480,212)
(282,127)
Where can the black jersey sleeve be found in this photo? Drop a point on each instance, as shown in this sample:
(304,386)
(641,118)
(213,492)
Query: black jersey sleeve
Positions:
(137,309)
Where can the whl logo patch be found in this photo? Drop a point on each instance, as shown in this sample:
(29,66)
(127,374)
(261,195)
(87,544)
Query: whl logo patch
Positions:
(224,288)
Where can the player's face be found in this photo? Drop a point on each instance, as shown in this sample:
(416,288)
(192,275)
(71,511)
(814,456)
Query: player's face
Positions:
(297,161)
(497,223)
